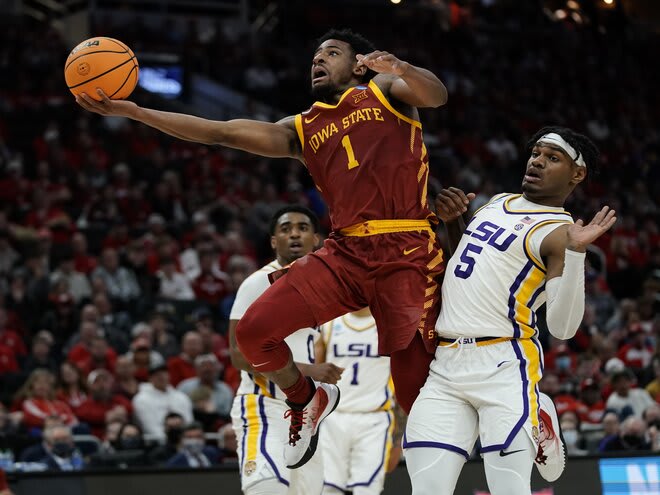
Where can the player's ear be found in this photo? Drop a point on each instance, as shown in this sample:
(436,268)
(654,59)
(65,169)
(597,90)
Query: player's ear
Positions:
(579,175)
(273,242)
(317,240)
(360,70)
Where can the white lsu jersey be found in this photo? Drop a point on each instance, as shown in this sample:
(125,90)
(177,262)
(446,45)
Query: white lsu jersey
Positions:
(351,342)
(301,342)
(495,281)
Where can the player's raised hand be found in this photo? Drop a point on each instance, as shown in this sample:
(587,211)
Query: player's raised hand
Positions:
(581,235)
(325,372)
(382,62)
(106,106)
(452,203)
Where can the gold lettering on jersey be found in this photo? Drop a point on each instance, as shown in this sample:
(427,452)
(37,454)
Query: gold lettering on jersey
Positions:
(358,97)
(319,138)
(362,114)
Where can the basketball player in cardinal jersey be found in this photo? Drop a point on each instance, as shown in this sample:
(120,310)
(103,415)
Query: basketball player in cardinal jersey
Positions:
(361,141)
(356,441)
(517,252)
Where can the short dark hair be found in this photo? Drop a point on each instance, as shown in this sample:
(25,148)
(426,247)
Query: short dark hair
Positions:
(171,415)
(358,43)
(294,209)
(582,144)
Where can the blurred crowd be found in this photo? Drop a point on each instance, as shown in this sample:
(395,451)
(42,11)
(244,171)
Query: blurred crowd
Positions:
(121,249)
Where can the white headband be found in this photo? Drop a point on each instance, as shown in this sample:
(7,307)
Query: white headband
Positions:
(557,140)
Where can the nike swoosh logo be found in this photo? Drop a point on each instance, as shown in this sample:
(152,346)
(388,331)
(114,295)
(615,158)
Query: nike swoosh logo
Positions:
(502,363)
(260,364)
(406,252)
(309,121)
(504,454)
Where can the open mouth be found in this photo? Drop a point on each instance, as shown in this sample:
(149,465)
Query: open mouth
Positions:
(319,74)
(532,176)
(295,246)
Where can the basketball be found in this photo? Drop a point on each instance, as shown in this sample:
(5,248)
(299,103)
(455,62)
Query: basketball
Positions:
(103,63)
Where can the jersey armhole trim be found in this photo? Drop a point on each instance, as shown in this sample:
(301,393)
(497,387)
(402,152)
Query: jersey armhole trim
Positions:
(526,247)
(381,97)
(491,201)
(299,131)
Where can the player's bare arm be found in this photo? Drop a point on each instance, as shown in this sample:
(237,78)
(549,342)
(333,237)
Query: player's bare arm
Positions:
(574,237)
(275,140)
(405,82)
(451,206)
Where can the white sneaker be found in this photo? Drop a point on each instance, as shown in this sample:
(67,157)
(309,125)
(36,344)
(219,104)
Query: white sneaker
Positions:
(304,429)
(551,457)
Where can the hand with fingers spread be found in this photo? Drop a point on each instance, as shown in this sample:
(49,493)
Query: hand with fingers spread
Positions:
(383,63)
(106,106)
(452,203)
(581,235)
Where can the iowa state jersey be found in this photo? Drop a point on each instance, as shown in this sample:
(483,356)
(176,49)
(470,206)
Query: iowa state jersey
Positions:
(367,159)
(495,281)
(352,343)
(301,342)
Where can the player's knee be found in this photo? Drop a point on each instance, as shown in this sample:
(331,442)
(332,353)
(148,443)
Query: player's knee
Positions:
(249,332)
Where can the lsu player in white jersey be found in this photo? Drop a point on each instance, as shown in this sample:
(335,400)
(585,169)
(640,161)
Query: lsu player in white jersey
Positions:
(258,412)
(356,440)
(517,252)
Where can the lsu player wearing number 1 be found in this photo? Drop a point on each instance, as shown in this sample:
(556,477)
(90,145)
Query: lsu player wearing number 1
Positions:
(356,440)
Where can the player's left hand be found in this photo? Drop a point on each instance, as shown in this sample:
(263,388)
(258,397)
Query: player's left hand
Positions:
(382,62)
(325,372)
(581,235)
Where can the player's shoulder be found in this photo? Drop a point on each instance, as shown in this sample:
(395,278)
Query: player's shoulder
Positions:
(258,277)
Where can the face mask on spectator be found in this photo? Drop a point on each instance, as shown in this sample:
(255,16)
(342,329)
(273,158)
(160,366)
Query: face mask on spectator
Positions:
(193,445)
(563,363)
(130,443)
(570,437)
(174,435)
(62,449)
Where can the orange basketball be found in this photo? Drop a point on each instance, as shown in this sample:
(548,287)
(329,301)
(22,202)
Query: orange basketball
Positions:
(103,63)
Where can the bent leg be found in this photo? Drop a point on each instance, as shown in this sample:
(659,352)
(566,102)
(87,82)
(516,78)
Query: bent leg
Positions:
(509,472)
(433,471)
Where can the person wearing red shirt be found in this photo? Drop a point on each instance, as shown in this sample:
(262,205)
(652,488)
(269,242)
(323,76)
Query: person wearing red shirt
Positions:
(183,366)
(637,353)
(83,262)
(37,401)
(210,286)
(101,355)
(10,338)
(592,407)
(103,406)
(81,352)
(8,362)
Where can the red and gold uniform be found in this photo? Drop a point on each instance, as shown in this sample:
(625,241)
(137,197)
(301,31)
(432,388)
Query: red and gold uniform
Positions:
(371,166)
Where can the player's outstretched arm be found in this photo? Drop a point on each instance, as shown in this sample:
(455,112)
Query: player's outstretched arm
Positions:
(565,249)
(276,140)
(409,84)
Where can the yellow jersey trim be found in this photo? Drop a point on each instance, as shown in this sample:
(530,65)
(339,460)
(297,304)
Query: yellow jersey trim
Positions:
(374,227)
(381,97)
(299,130)
(356,329)
(514,196)
(328,105)
(528,252)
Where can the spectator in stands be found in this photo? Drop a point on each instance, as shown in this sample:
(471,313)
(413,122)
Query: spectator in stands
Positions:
(625,399)
(162,340)
(61,451)
(120,282)
(208,370)
(611,428)
(637,352)
(38,451)
(77,282)
(592,405)
(115,323)
(210,286)
(37,401)
(653,388)
(143,358)
(173,285)
(570,428)
(40,355)
(8,255)
(632,436)
(103,406)
(13,435)
(110,436)
(10,338)
(99,357)
(129,437)
(173,427)
(155,399)
(183,365)
(227,441)
(193,452)
(82,261)
(79,344)
(71,386)
(126,384)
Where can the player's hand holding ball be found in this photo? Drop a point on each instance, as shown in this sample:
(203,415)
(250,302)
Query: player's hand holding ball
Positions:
(100,72)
